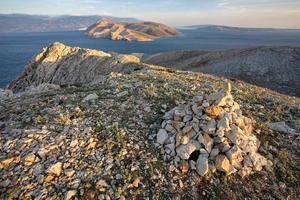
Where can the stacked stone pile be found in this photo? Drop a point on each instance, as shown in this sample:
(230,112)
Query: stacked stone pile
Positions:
(211,134)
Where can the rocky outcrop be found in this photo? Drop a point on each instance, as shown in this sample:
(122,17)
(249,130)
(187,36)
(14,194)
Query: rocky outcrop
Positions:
(211,134)
(139,31)
(63,65)
(276,68)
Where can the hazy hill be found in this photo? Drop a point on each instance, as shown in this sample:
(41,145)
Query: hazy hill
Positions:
(276,68)
(43,23)
(232,28)
(139,31)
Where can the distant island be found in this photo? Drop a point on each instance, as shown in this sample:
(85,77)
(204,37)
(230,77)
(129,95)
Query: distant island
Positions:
(137,31)
(17,23)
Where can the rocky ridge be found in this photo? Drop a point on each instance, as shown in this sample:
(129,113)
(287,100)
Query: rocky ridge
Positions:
(62,65)
(139,31)
(211,134)
(273,67)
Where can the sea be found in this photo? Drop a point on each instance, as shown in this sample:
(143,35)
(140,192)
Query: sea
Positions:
(17,49)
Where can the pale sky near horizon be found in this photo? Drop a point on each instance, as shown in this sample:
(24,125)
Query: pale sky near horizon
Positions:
(247,13)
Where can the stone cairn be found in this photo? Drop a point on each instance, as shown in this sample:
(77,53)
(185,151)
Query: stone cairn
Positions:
(211,134)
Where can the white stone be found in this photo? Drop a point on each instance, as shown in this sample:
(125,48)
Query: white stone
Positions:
(122,94)
(235,135)
(162,136)
(208,142)
(281,127)
(202,165)
(69,172)
(214,152)
(211,126)
(70,194)
(187,118)
(90,97)
(223,124)
(235,156)
(184,151)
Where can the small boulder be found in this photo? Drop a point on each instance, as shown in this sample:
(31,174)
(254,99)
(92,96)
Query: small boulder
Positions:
(202,167)
(222,164)
(281,127)
(55,169)
(208,142)
(213,111)
(184,151)
(70,194)
(162,136)
(90,97)
(235,156)
(223,124)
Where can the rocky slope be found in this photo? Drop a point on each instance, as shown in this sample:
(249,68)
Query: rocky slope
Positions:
(98,140)
(63,65)
(139,31)
(276,68)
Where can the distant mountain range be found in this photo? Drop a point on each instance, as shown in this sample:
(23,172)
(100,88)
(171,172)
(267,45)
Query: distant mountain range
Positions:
(232,28)
(137,31)
(10,23)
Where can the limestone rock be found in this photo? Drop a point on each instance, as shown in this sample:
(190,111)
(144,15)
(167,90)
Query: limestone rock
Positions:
(223,124)
(70,194)
(69,172)
(29,159)
(213,111)
(90,97)
(162,136)
(208,142)
(223,164)
(235,156)
(55,169)
(202,165)
(282,127)
(184,151)
(6,162)
(211,126)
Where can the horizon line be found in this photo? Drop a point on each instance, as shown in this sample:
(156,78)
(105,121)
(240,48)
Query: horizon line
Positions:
(182,26)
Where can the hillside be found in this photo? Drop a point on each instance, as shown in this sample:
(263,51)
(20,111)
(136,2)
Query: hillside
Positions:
(12,23)
(94,136)
(276,68)
(232,28)
(139,31)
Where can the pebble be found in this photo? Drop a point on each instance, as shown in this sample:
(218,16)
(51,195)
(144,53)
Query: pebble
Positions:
(70,194)
(55,169)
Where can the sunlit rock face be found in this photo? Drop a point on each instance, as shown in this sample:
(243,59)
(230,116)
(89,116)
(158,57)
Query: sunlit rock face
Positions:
(59,64)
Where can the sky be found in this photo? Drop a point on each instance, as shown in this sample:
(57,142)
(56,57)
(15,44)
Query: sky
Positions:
(244,13)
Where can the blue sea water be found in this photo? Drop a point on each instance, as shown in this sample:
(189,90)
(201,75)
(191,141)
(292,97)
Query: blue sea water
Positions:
(17,49)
